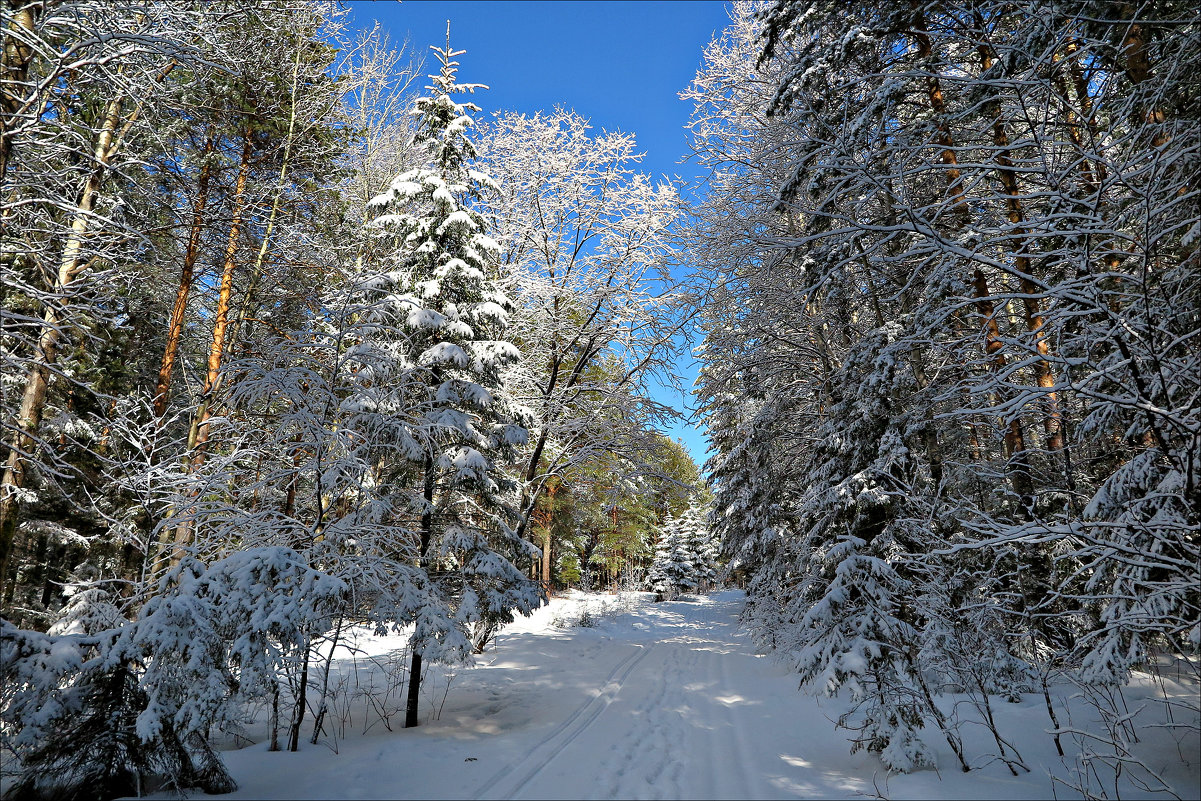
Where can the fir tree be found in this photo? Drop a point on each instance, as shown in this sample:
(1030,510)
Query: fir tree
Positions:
(464,425)
(673,571)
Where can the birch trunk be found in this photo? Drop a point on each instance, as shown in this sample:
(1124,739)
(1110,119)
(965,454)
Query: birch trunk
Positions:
(14,74)
(33,397)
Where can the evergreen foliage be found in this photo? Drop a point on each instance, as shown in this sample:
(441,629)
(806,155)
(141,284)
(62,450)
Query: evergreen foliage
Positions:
(942,349)
(685,556)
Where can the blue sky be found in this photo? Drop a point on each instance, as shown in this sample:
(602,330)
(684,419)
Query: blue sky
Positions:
(620,64)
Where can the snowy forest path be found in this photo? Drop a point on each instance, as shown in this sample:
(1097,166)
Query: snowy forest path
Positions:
(653,700)
(679,718)
(553,744)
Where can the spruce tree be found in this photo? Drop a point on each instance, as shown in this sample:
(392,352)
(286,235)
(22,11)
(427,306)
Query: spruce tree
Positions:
(672,571)
(702,549)
(463,424)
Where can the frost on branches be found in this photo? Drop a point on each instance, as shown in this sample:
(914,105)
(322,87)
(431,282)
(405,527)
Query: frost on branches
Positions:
(357,442)
(685,556)
(951,356)
(102,703)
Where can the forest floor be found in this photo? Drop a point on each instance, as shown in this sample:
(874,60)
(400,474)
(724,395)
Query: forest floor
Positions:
(656,700)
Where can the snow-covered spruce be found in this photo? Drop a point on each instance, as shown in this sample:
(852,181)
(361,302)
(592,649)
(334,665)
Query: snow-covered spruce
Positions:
(437,278)
(104,706)
(685,556)
(951,385)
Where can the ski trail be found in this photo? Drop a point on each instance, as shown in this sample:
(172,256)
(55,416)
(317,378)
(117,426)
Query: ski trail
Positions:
(615,769)
(562,735)
(679,718)
(725,740)
(665,727)
(656,774)
(717,740)
(682,742)
(738,732)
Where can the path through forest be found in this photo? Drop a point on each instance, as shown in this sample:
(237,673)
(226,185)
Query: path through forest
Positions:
(681,714)
(653,700)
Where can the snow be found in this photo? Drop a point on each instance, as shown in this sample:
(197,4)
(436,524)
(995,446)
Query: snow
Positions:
(457,267)
(643,700)
(457,218)
(444,353)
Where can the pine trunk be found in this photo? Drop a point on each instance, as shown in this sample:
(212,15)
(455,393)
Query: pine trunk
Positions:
(175,329)
(1044,376)
(198,436)
(1014,437)
(1137,64)
(260,259)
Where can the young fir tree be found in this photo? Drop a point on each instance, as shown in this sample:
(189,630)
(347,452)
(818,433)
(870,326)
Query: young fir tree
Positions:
(702,548)
(673,571)
(464,423)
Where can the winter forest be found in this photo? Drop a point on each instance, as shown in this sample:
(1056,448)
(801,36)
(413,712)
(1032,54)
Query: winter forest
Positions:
(328,420)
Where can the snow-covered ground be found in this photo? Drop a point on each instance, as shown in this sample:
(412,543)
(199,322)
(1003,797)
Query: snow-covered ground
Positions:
(664,700)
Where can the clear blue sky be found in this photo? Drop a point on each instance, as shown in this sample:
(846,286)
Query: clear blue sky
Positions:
(620,64)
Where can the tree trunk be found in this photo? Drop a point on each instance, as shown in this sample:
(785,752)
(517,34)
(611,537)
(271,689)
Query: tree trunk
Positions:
(14,73)
(198,436)
(551,489)
(1014,437)
(1091,173)
(221,318)
(33,398)
(934,94)
(1137,64)
(929,431)
(175,329)
(1044,376)
(414,693)
(260,259)
(323,701)
(427,530)
(301,700)
(273,722)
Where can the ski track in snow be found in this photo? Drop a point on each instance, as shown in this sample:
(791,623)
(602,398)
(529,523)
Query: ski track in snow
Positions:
(738,734)
(673,726)
(553,744)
